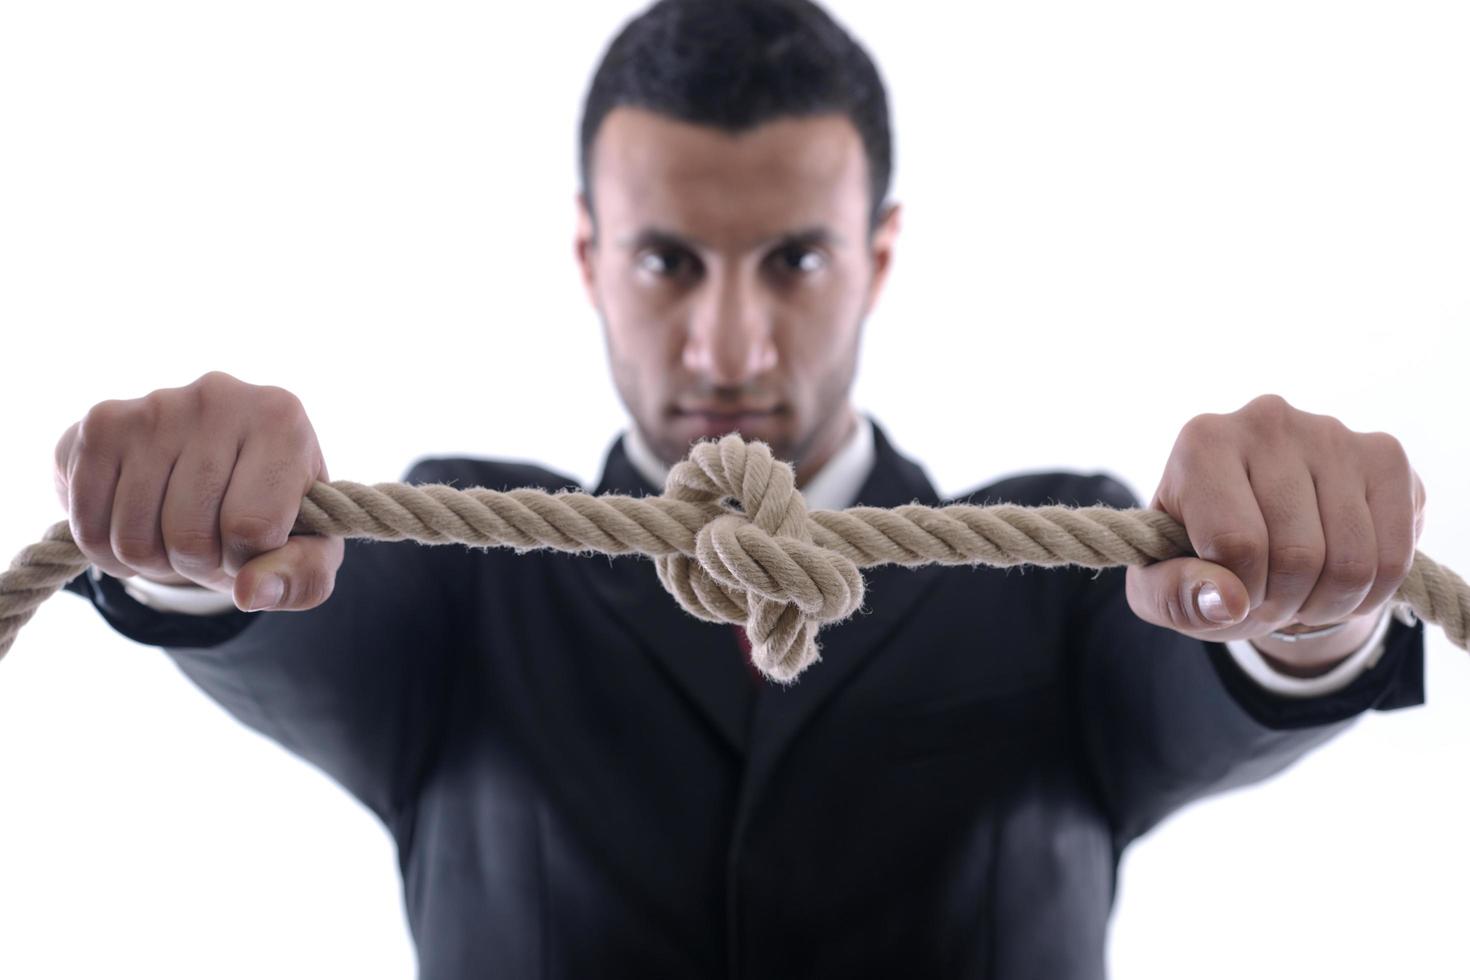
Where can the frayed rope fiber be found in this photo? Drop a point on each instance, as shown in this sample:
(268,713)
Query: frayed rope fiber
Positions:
(733,541)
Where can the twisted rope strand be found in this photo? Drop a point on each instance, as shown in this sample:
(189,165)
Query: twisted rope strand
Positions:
(732,541)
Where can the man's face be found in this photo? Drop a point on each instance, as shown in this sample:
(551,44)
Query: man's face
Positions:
(732,275)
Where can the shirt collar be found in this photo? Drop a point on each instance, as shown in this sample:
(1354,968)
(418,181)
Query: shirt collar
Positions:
(834,487)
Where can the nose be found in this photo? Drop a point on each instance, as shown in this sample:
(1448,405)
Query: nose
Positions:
(729,340)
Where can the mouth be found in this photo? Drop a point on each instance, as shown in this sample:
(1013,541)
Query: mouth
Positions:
(703,423)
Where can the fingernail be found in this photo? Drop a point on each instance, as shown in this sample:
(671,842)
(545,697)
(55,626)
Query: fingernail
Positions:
(1212,604)
(267,593)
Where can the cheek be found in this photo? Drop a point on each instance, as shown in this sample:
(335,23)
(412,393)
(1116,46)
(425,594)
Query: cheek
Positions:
(823,322)
(644,351)
(640,318)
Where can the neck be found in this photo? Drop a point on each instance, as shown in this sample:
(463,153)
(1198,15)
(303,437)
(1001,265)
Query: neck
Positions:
(816,454)
(825,445)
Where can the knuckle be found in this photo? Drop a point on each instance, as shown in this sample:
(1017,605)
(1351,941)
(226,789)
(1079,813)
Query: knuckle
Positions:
(310,587)
(215,396)
(1275,613)
(115,421)
(1170,608)
(1270,410)
(136,550)
(63,490)
(1330,433)
(1295,560)
(248,536)
(92,541)
(1396,567)
(1235,548)
(1387,448)
(194,548)
(215,382)
(281,408)
(1350,574)
(167,402)
(64,446)
(102,423)
(1203,434)
(280,396)
(157,411)
(1201,427)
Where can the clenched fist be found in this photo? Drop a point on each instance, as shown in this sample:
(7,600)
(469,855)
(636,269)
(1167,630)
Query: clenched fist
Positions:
(1294,517)
(201,485)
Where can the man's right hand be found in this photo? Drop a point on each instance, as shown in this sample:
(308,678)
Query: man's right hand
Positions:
(200,485)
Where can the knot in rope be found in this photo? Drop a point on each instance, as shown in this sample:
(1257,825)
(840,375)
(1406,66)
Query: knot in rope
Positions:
(755,563)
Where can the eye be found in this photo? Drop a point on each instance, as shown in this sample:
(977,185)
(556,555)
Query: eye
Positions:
(799,260)
(666,263)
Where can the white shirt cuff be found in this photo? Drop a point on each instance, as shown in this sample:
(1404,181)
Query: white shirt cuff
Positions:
(192,600)
(1259,670)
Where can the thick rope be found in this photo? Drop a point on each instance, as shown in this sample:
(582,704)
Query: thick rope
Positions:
(733,541)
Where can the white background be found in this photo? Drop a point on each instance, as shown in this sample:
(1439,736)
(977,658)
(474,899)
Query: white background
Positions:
(1117,217)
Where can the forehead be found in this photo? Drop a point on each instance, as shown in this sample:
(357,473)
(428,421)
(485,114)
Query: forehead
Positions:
(651,170)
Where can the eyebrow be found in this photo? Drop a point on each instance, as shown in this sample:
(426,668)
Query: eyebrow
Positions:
(658,238)
(815,235)
(651,237)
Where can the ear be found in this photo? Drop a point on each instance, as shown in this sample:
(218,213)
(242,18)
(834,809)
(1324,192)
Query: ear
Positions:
(585,246)
(884,236)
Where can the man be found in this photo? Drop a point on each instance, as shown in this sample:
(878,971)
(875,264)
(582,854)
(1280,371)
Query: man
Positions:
(583,780)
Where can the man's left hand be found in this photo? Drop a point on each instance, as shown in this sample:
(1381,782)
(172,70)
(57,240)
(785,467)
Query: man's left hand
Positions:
(1295,519)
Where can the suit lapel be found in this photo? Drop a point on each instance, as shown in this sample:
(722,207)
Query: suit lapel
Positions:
(703,660)
(891,591)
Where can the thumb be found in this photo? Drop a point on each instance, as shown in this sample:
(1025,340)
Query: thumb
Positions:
(1179,594)
(306,566)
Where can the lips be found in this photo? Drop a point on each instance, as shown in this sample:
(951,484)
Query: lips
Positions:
(705,423)
(726,410)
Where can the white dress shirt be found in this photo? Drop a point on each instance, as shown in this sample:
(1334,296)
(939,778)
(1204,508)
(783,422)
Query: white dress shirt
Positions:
(834,487)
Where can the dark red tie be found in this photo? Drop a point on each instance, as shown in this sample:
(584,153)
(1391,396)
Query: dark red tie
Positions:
(750,668)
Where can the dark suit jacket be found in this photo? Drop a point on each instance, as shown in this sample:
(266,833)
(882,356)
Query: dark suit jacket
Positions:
(582,780)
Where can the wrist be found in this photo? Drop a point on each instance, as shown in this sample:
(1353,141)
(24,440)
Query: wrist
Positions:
(1304,651)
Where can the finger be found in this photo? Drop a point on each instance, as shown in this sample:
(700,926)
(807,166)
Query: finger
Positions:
(307,566)
(1421,503)
(1224,522)
(91,487)
(63,464)
(1350,559)
(1391,500)
(137,506)
(191,512)
(271,477)
(1167,593)
(1295,547)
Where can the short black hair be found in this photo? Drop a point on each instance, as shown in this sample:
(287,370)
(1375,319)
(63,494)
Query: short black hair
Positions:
(736,64)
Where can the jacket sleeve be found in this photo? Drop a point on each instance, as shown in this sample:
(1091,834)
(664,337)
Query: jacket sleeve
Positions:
(355,686)
(1166,719)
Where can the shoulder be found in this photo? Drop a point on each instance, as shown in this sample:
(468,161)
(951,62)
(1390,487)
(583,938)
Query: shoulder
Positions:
(1042,488)
(463,472)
